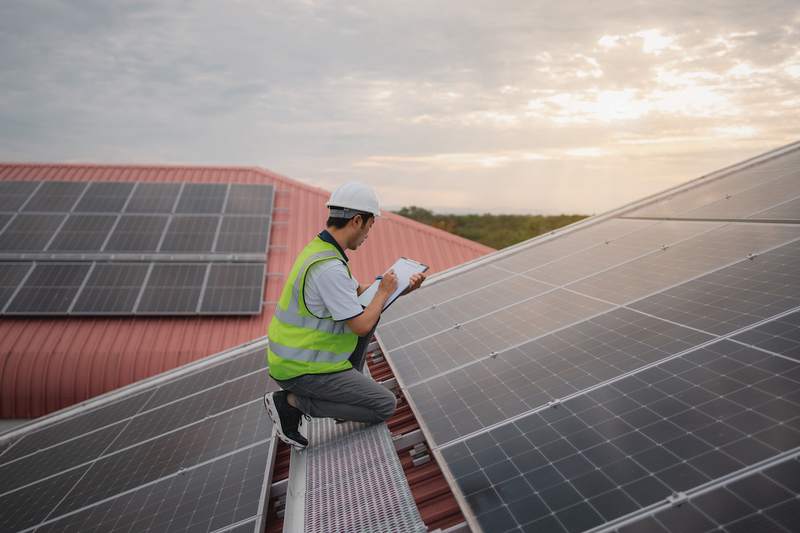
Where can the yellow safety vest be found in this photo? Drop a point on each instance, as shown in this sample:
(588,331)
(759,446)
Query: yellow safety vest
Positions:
(299,342)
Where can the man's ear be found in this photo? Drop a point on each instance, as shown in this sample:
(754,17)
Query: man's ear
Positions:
(358,221)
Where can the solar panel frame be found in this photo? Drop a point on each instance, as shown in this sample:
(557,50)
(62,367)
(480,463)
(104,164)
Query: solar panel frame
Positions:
(55,196)
(30,233)
(137,233)
(190,234)
(14,194)
(111,288)
(202,198)
(82,233)
(234,289)
(172,288)
(244,199)
(154,198)
(105,197)
(243,234)
(50,288)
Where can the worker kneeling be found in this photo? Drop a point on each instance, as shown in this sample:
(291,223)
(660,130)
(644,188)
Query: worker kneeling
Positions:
(319,334)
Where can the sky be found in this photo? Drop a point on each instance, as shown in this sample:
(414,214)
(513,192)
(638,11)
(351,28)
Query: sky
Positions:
(457,106)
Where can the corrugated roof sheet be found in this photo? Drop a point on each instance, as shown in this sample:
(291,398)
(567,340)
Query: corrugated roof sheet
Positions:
(50,363)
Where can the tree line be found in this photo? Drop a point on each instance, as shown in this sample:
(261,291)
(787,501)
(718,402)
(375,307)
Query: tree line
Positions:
(497,231)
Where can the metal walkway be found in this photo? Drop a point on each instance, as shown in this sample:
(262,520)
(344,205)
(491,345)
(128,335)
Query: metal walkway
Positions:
(349,479)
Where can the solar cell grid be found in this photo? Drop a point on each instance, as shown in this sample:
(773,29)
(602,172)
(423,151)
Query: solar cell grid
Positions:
(29,233)
(166,455)
(567,243)
(190,234)
(173,288)
(50,288)
(14,193)
(234,288)
(617,251)
(29,506)
(243,235)
(444,316)
(205,378)
(552,367)
(11,275)
(111,288)
(686,260)
(666,429)
(780,336)
(204,498)
(494,333)
(82,233)
(105,197)
(56,196)
(69,454)
(754,200)
(764,501)
(717,189)
(5,219)
(789,210)
(137,233)
(735,296)
(192,409)
(249,199)
(153,198)
(202,198)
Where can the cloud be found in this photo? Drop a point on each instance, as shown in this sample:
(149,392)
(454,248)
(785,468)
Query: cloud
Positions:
(455,104)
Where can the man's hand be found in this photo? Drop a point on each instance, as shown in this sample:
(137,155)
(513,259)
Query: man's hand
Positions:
(388,283)
(414,282)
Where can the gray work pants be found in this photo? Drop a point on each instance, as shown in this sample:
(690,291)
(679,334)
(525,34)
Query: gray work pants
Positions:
(347,395)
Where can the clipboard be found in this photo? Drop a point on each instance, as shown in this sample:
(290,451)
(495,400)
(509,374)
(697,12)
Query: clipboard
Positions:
(404,268)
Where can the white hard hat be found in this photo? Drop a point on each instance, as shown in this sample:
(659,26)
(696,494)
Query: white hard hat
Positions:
(353,196)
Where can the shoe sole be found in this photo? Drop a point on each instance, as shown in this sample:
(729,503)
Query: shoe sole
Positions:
(276,421)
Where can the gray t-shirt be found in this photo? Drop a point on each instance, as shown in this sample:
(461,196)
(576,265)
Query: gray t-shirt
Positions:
(331,292)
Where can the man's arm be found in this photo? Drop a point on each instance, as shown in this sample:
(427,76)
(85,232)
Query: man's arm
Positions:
(363,323)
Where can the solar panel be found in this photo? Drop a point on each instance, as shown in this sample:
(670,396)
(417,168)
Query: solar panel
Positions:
(731,184)
(190,234)
(236,288)
(137,233)
(632,443)
(195,460)
(554,366)
(105,197)
(781,335)
(82,233)
(733,297)
(788,210)
(173,289)
(583,378)
(11,275)
(153,198)
(249,200)
(765,500)
(29,233)
(13,194)
(243,235)
(56,196)
(50,288)
(111,288)
(202,198)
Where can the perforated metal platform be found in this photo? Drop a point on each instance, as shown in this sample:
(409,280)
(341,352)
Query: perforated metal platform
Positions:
(349,479)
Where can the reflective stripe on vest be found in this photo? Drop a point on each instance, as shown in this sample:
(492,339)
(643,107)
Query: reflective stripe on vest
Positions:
(299,342)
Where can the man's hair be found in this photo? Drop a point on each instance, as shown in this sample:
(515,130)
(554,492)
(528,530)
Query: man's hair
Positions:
(339,223)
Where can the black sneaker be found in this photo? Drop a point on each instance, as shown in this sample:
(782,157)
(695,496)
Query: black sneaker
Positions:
(286,419)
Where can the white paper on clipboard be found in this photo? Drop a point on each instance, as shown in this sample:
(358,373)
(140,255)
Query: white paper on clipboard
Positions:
(404,268)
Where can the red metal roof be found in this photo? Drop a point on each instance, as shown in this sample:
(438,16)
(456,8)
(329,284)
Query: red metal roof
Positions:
(50,363)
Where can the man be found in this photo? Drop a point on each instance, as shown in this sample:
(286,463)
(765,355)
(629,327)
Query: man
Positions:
(319,333)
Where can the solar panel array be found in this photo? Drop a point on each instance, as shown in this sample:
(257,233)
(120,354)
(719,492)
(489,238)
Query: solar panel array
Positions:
(639,371)
(89,248)
(188,453)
